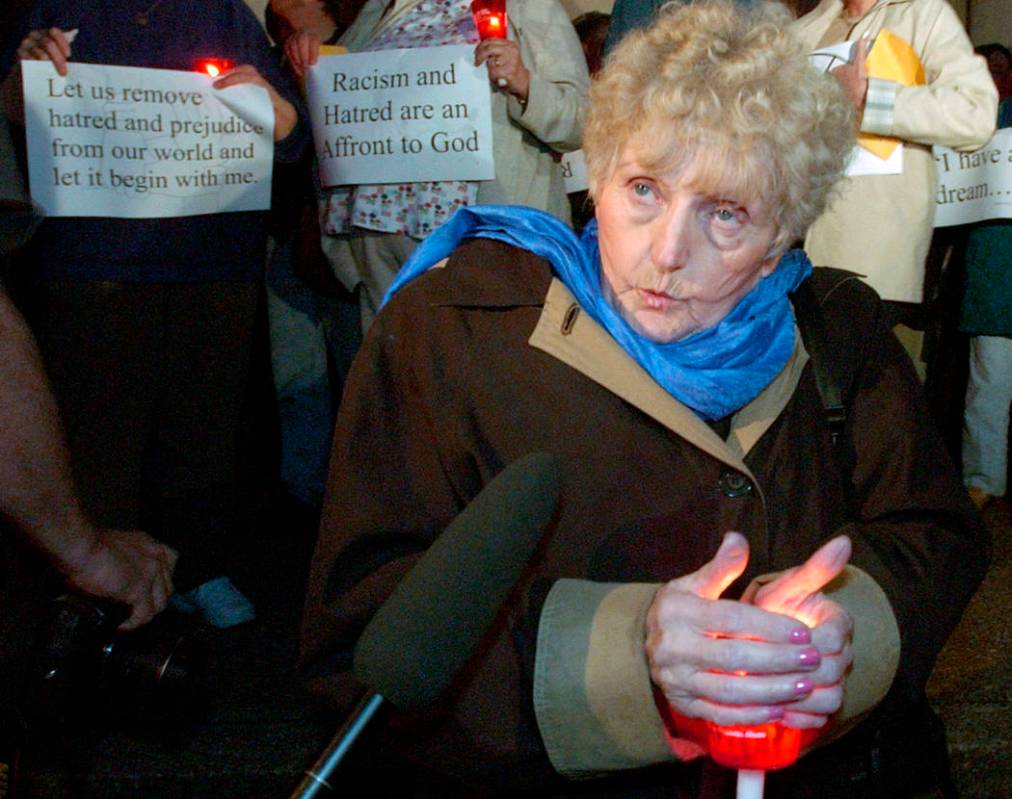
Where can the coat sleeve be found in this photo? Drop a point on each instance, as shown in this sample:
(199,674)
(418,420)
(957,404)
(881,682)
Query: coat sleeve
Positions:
(957,104)
(559,80)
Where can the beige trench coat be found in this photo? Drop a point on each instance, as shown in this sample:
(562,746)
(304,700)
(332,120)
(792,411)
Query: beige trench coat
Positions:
(880,225)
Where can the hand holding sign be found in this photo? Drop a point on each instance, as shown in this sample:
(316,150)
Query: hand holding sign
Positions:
(46,45)
(285,115)
(302,49)
(39,45)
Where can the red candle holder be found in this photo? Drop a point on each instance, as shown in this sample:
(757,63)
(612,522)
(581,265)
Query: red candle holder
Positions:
(763,747)
(489,18)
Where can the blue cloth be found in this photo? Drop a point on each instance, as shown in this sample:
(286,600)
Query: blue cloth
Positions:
(715,371)
(184,249)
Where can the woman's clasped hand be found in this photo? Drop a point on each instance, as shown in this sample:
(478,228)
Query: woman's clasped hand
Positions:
(782,658)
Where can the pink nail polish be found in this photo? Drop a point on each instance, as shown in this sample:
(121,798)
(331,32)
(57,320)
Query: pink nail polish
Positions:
(775,713)
(810,657)
(801,635)
(803,686)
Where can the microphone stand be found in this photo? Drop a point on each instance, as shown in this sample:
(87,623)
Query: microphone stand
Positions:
(316,783)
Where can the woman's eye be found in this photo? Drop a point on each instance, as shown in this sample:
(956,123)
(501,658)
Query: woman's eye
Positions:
(641,189)
(729,214)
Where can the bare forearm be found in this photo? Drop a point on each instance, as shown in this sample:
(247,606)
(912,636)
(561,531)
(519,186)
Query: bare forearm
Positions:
(36,485)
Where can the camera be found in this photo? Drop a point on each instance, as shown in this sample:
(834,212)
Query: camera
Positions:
(84,670)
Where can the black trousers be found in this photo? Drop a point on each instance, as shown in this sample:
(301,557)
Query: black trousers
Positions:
(150,380)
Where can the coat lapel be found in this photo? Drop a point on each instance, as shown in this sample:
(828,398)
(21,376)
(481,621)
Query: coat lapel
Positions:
(565,332)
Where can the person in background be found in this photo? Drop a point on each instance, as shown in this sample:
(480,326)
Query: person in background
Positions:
(592,28)
(659,359)
(538,81)
(880,225)
(147,325)
(629,15)
(46,533)
(999,63)
(313,320)
(987,316)
(325,19)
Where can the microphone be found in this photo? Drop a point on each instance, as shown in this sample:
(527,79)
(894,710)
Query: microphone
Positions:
(429,626)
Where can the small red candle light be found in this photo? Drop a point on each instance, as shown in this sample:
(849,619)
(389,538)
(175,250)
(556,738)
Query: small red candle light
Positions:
(213,66)
(489,18)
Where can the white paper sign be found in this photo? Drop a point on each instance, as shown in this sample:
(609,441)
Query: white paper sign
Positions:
(142,143)
(975,186)
(395,116)
(574,171)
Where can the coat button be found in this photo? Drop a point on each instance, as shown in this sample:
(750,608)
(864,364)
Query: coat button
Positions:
(735,484)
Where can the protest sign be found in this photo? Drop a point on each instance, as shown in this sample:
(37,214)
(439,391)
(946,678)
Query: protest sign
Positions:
(574,171)
(395,116)
(975,186)
(141,143)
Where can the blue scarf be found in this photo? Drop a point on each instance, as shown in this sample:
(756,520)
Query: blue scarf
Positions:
(715,371)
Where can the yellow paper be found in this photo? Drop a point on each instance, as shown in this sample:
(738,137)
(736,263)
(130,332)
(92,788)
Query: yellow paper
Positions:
(891,58)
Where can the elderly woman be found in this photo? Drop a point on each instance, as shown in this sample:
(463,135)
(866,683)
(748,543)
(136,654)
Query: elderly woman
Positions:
(538,81)
(659,359)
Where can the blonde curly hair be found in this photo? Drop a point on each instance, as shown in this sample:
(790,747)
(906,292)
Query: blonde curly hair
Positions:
(730,90)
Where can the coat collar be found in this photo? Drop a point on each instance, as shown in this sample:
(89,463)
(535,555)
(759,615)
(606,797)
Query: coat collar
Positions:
(518,278)
(565,332)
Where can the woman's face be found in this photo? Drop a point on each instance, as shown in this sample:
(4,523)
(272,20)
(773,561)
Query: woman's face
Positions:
(676,259)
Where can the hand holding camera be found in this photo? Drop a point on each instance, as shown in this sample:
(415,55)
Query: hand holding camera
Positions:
(125,566)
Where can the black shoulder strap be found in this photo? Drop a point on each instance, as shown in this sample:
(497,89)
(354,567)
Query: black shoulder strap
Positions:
(826,366)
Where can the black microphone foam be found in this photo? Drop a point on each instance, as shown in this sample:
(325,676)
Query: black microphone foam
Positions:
(428,628)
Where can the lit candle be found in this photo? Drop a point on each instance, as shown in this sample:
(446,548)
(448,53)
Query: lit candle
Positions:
(212,66)
(490,18)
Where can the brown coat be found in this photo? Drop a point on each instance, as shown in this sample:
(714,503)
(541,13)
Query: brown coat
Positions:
(474,365)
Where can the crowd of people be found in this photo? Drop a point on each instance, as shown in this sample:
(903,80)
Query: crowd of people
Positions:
(757,522)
